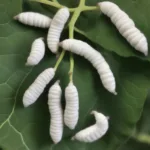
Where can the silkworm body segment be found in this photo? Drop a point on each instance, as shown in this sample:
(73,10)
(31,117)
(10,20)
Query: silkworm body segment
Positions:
(54,103)
(125,25)
(37,52)
(33,19)
(56,27)
(71,113)
(94,132)
(37,87)
(83,49)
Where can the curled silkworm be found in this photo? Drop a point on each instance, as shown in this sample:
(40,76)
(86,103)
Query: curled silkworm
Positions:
(97,60)
(38,86)
(54,103)
(125,25)
(56,27)
(71,114)
(37,52)
(94,132)
(33,19)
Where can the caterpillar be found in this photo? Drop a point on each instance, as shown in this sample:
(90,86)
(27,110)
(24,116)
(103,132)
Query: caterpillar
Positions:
(71,113)
(37,52)
(38,86)
(54,103)
(56,27)
(33,19)
(126,26)
(94,132)
(97,60)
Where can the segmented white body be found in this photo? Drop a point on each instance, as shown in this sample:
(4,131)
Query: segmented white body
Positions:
(38,86)
(95,131)
(97,60)
(56,27)
(54,103)
(33,19)
(125,25)
(71,114)
(37,52)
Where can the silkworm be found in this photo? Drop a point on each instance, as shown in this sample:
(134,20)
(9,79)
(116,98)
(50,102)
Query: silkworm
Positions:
(37,52)
(126,26)
(56,27)
(94,132)
(54,103)
(38,86)
(97,60)
(71,114)
(33,19)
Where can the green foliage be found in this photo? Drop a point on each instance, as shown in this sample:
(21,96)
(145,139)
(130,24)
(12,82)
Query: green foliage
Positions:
(141,138)
(28,129)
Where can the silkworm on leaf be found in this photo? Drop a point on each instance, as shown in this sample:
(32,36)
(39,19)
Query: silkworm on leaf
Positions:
(33,19)
(94,132)
(37,52)
(56,27)
(71,114)
(125,25)
(56,113)
(83,49)
(38,86)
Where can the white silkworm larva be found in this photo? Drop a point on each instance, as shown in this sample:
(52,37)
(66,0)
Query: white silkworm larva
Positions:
(34,19)
(94,132)
(125,25)
(37,52)
(38,86)
(54,103)
(71,113)
(97,60)
(56,27)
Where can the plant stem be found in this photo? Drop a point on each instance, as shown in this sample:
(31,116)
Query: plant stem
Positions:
(53,4)
(56,4)
(90,8)
(76,13)
(143,138)
(59,59)
(73,20)
(55,1)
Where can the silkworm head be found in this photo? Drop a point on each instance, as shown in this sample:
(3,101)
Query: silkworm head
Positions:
(42,38)
(66,11)
(15,17)
(73,138)
(27,64)
(100,118)
(106,5)
(57,82)
(145,48)
(64,44)
(107,117)
(115,93)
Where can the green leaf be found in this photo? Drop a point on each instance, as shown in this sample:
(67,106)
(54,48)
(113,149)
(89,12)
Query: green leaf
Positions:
(28,129)
(99,29)
(133,144)
(141,138)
